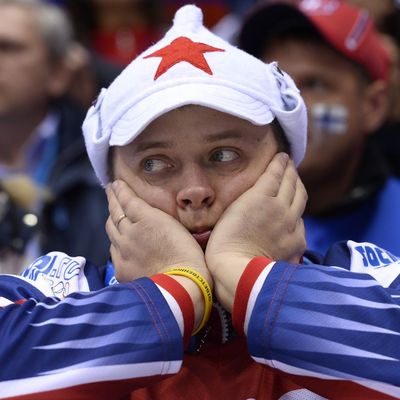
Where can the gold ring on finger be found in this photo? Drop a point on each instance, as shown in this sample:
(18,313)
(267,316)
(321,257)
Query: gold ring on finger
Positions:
(120,218)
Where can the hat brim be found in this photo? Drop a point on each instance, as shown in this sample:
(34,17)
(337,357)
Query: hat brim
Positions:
(220,98)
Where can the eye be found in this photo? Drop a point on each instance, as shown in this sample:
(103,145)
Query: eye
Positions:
(224,155)
(154,165)
(314,84)
(8,47)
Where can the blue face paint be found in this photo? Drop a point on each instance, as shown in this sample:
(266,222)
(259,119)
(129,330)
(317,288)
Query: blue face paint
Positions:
(328,119)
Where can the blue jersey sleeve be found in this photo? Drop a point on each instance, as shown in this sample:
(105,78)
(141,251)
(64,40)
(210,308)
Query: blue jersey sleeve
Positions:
(330,323)
(105,342)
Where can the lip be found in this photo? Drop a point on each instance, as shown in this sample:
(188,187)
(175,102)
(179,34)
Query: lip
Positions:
(202,237)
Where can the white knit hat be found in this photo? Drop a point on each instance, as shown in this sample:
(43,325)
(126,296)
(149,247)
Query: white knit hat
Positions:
(191,65)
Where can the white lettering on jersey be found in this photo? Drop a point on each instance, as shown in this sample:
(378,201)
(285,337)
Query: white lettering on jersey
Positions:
(370,259)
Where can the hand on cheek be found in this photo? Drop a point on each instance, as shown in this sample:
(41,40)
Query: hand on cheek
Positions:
(263,221)
(148,241)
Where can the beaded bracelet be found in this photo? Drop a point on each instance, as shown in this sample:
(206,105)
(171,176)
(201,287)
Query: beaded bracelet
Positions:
(203,286)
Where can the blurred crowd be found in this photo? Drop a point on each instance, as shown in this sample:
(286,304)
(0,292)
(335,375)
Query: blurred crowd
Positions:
(56,55)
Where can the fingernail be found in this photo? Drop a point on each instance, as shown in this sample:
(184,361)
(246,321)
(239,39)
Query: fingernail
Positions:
(285,157)
(115,185)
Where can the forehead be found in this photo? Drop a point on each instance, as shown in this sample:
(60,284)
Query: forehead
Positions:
(198,124)
(296,54)
(18,23)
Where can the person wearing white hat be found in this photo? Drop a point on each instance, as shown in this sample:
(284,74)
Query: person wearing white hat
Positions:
(191,142)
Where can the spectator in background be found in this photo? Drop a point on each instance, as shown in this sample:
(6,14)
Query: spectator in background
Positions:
(387,16)
(342,74)
(42,153)
(17,226)
(91,73)
(117,30)
(229,25)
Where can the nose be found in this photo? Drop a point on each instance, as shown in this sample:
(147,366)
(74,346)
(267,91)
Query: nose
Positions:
(196,191)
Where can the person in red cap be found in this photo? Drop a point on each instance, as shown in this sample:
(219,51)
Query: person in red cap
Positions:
(334,54)
(196,143)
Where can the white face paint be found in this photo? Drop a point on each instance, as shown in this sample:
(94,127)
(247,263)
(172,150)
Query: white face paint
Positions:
(328,119)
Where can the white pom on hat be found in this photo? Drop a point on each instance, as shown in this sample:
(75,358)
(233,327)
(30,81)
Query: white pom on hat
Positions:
(189,16)
(191,65)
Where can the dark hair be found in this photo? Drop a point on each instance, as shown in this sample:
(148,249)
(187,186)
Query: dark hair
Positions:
(280,137)
(391,25)
(110,163)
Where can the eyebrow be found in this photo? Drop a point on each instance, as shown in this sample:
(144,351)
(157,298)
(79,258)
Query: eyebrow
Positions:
(229,134)
(140,147)
(210,138)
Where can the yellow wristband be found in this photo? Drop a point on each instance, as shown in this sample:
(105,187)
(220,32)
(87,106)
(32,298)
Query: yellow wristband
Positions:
(204,287)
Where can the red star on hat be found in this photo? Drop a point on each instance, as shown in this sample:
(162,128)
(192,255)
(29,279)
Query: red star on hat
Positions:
(183,49)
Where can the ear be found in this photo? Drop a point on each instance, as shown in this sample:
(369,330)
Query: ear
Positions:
(64,72)
(60,79)
(376,105)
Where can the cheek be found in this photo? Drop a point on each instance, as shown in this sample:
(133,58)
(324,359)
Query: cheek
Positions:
(36,67)
(328,121)
(229,191)
(157,197)
(234,187)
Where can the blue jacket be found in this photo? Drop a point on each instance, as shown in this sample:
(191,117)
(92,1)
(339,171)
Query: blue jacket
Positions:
(375,220)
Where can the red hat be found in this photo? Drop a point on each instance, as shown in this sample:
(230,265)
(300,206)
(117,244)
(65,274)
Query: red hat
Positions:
(348,29)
